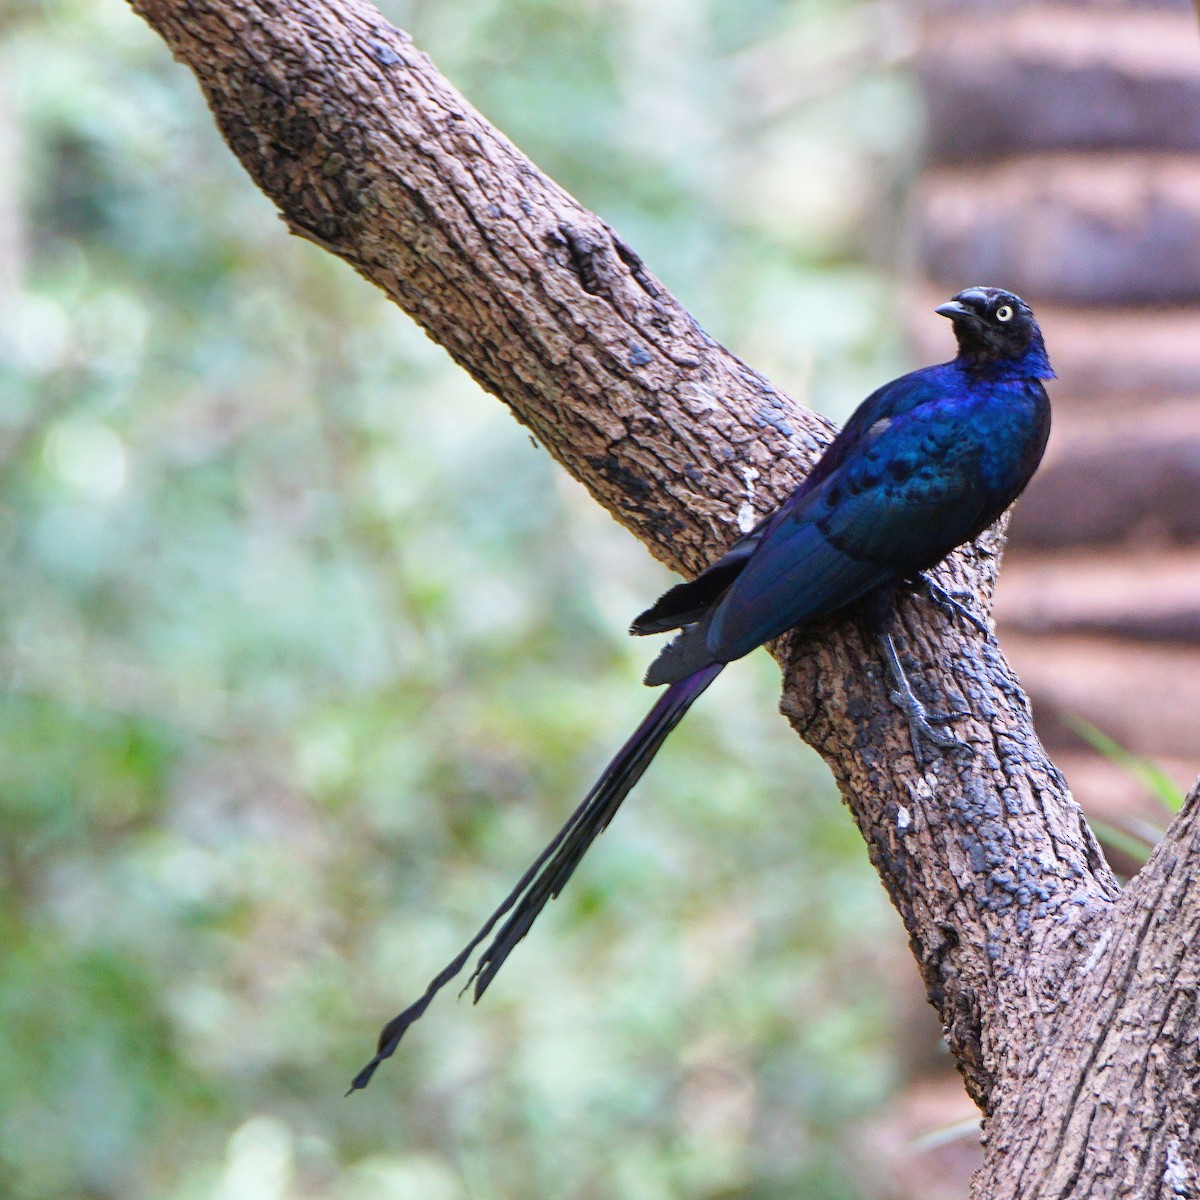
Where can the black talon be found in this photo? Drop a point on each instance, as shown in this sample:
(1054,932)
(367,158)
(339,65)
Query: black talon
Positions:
(922,724)
(950,604)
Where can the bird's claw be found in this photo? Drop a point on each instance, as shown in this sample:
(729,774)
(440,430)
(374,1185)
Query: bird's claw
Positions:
(923,725)
(950,604)
(911,707)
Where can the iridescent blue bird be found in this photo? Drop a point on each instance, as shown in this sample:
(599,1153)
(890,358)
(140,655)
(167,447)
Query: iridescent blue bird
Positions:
(925,464)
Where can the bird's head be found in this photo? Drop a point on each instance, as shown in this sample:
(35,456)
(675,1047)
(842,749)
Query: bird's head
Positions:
(997,329)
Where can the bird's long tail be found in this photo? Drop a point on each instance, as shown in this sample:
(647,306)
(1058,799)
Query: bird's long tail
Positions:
(548,875)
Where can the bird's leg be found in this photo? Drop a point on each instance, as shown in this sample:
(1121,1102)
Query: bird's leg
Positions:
(949,603)
(922,724)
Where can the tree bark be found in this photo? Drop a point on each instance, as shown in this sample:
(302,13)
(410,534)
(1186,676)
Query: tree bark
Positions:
(1071,1008)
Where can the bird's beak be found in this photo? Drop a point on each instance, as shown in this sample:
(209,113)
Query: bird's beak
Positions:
(955,310)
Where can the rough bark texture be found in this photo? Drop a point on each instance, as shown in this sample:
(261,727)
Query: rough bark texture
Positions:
(1071,1010)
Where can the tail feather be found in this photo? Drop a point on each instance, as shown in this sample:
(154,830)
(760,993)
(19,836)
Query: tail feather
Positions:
(548,874)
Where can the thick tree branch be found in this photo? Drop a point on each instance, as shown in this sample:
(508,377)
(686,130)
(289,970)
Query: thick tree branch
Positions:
(1120,1060)
(1009,905)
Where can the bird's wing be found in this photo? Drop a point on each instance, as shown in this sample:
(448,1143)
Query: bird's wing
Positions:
(885,404)
(901,499)
(687,603)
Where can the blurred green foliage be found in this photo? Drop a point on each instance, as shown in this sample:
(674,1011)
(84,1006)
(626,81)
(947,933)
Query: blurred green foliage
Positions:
(307,650)
(1132,836)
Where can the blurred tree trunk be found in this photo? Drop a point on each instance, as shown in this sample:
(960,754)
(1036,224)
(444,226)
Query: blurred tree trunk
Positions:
(1071,1008)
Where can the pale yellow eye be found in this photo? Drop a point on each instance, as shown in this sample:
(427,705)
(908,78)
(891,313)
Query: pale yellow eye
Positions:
(1004,313)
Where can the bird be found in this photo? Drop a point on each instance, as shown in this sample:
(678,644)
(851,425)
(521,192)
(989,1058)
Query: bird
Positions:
(926,463)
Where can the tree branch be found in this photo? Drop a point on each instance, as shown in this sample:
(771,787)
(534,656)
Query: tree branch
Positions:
(1009,905)
(1120,1056)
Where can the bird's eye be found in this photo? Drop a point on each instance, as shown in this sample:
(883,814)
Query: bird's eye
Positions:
(1004,313)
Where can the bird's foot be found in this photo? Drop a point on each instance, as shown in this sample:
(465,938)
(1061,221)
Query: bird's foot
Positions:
(951,605)
(923,725)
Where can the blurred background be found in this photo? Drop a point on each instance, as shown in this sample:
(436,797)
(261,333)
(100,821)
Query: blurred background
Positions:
(307,649)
